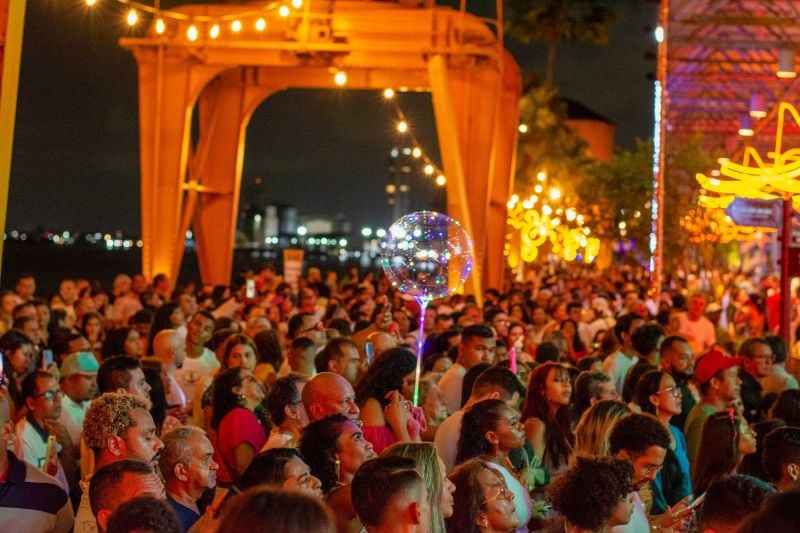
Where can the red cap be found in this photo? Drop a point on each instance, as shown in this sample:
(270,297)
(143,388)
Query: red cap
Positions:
(711,363)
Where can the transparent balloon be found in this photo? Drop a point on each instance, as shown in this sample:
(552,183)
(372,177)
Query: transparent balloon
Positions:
(426,255)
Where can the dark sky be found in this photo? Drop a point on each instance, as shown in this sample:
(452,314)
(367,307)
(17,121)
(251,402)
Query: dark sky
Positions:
(75,161)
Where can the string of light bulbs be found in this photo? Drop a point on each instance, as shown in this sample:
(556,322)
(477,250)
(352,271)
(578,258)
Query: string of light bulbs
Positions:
(283,8)
(429,167)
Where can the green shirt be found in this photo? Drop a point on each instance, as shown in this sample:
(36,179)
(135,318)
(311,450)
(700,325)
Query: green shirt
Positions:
(693,430)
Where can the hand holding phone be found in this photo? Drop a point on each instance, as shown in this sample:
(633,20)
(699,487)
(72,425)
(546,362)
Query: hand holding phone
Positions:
(250,289)
(697,501)
(47,359)
(369,349)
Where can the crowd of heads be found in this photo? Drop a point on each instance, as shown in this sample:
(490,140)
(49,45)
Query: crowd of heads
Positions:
(566,402)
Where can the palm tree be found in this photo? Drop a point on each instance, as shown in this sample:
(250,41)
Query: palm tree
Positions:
(556,22)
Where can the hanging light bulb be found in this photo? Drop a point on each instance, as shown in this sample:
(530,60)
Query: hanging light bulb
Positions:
(214,31)
(388,94)
(523,128)
(745,125)
(90,3)
(440,180)
(758,108)
(416,152)
(340,78)
(402,126)
(132,18)
(261,24)
(429,169)
(191,33)
(297,4)
(786,63)
(161,27)
(283,11)
(236,26)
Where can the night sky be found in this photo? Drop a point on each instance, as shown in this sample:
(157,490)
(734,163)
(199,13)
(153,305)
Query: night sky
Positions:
(76,163)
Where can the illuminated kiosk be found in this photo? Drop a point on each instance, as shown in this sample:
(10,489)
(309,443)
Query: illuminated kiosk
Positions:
(230,58)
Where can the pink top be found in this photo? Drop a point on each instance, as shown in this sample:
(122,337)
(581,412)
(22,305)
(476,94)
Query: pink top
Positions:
(238,426)
(381,437)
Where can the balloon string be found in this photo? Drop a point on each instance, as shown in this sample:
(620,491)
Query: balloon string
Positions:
(423,305)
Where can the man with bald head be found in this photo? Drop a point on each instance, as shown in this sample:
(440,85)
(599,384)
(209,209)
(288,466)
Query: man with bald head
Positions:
(329,394)
(170,347)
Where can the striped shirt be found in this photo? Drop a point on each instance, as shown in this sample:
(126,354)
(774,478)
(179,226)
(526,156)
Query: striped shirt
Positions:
(30,500)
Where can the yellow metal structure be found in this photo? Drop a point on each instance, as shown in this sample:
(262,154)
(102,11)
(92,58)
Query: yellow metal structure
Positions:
(227,59)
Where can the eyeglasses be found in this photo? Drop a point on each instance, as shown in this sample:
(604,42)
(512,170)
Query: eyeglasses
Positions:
(50,394)
(675,392)
(650,470)
(502,491)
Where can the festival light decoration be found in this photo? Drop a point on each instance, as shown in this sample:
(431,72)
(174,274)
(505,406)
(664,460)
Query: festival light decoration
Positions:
(772,177)
(713,225)
(536,226)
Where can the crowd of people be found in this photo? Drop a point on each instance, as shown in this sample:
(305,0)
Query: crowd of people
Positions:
(576,401)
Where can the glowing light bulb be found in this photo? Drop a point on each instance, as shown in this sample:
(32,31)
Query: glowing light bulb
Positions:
(440,180)
(214,31)
(416,152)
(297,4)
(192,33)
(402,126)
(388,94)
(90,3)
(261,25)
(236,26)
(555,194)
(132,18)
(160,26)
(547,210)
(428,169)
(523,128)
(538,189)
(340,78)
(283,11)
(541,176)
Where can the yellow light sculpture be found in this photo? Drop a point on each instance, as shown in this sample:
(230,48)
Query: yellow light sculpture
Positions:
(713,225)
(536,226)
(762,181)
(773,177)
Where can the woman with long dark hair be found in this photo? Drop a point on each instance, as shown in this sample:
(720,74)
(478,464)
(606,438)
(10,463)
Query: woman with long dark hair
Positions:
(122,341)
(237,435)
(547,417)
(576,349)
(490,430)
(726,439)
(383,410)
(659,395)
(335,448)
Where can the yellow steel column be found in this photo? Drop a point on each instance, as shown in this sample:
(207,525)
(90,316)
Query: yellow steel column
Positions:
(167,92)
(225,110)
(503,163)
(464,102)
(10,53)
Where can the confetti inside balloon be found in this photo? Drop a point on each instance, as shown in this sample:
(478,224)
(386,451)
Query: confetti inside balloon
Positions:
(426,255)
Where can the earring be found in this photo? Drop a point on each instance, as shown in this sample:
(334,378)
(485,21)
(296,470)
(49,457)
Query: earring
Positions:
(336,468)
(241,398)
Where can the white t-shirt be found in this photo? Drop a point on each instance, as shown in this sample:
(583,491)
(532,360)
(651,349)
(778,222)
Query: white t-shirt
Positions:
(446,439)
(194,370)
(72,415)
(616,366)
(31,448)
(451,384)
